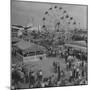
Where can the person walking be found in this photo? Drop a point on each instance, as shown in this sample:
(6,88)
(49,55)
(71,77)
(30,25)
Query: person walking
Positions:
(31,79)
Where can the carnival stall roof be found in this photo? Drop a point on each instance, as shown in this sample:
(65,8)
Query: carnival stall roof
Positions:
(28,46)
(80,43)
(77,47)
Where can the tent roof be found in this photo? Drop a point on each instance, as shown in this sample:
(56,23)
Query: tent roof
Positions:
(26,45)
(77,47)
(80,43)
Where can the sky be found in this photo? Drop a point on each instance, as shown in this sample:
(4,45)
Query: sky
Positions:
(26,12)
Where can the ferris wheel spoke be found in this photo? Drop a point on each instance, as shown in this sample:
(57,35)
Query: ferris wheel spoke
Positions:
(58,18)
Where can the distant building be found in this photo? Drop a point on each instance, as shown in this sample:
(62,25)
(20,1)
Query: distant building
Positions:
(27,51)
(14,31)
(14,34)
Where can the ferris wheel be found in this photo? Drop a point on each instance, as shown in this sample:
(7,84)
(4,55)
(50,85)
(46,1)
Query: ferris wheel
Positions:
(57,18)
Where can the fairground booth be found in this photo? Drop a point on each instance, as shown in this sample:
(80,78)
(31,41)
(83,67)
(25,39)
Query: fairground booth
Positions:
(27,51)
(78,45)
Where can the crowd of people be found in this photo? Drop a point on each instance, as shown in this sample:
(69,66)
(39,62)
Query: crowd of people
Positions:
(75,65)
